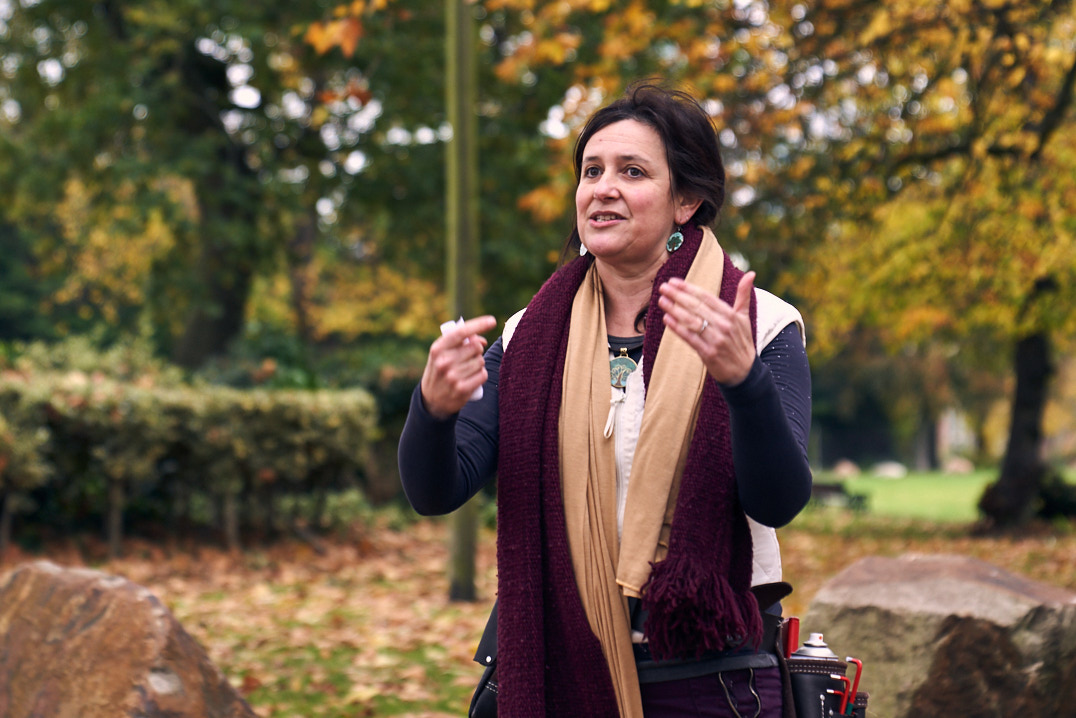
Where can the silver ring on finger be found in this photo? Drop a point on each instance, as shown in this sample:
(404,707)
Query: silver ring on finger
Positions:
(702,327)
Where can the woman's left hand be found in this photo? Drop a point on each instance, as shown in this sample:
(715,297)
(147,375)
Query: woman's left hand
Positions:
(721,334)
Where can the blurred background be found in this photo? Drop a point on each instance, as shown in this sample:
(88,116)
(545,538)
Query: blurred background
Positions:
(254,195)
(229,232)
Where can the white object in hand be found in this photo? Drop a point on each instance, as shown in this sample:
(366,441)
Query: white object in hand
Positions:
(445,329)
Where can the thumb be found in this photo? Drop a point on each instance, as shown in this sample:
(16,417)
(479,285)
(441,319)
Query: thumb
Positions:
(743,293)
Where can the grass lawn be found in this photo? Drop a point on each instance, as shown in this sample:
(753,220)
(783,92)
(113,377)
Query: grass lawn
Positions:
(932,496)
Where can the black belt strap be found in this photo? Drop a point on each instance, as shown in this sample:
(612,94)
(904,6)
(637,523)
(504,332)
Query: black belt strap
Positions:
(656,672)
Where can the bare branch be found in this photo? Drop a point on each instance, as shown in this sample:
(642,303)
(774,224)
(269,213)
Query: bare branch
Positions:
(1052,119)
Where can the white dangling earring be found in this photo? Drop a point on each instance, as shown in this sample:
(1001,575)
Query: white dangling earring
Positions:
(582,249)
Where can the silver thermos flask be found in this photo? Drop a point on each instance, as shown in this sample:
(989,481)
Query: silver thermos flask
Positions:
(820,684)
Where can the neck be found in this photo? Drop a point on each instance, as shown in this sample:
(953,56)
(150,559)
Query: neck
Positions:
(626,294)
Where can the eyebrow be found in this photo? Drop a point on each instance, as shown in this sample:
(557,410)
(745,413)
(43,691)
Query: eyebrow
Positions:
(621,158)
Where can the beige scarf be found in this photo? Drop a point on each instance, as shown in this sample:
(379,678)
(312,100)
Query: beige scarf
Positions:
(607,573)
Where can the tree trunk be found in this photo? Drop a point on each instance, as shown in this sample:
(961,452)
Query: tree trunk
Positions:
(229,196)
(218,320)
(230,518)
(300,252)
(114,521)
(1010,500)
(7,508)
(926,442)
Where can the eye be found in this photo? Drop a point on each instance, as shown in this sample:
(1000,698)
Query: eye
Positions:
(591,171)
(634,172)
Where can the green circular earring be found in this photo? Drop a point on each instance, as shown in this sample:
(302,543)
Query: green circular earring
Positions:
(674,241)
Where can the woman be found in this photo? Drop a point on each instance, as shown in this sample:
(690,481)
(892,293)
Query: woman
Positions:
(647,417)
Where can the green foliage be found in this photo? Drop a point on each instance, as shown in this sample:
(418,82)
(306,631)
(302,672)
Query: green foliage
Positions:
(147,156)
(20,291)
(130,360)
(160,445)
(899,171)
(23,445)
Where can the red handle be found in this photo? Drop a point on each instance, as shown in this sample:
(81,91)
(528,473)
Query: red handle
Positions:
(792,636)
(859,674)
(844,694)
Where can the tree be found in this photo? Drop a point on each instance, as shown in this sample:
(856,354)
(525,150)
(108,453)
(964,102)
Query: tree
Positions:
(971,246)
(894,167)
(161,158)
(899,166)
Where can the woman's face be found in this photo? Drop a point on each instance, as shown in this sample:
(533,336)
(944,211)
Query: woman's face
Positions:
(625,208)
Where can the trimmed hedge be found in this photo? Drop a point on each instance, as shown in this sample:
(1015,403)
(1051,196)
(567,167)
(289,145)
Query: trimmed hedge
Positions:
(23,467)
(110,442)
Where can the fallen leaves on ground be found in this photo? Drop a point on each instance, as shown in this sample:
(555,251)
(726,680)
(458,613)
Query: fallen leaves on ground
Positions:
(363,627)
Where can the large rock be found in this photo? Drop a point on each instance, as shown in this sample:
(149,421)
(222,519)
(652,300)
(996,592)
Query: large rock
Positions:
(76,643)
(951,636)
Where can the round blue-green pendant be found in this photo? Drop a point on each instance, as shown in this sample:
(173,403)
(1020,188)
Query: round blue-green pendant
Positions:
(674,241)
(620,368)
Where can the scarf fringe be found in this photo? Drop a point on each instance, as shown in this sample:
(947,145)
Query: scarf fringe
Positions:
(692,609)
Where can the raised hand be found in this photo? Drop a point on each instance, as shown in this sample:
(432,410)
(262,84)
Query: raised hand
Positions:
(455,367)
(720,333)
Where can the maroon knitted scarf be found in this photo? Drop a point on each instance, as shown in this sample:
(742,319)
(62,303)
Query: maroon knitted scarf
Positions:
(549,661)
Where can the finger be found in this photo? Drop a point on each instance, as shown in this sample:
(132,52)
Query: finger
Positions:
(679,298)
(691,312)
(470,328)
(690,296)
(449,380)
(742,303)
(686,329)
(679,290)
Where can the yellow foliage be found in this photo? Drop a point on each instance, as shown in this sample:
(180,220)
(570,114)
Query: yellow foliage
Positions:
(343,33)
(349,300)
(921,321)
(1055,55)
(551,50)
(106,255)
(509,69)
(880,25)
(724,83)
(551,202)
(637,17)
(545,203)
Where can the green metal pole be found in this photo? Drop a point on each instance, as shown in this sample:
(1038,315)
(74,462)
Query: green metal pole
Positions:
(461,239)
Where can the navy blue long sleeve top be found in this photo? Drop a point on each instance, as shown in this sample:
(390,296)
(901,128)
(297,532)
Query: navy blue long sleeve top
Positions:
(443,462)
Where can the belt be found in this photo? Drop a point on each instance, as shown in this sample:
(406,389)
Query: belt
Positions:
(652,671)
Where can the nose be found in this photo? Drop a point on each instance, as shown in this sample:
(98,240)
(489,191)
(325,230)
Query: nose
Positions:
(605,186)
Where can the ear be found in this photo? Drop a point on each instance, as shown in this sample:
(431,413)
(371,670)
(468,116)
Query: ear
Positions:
(686,209)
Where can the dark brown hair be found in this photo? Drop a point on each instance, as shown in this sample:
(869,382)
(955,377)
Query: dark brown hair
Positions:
(690,142)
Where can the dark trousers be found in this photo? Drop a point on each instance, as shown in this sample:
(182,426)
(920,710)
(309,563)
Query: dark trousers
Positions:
(747,693)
